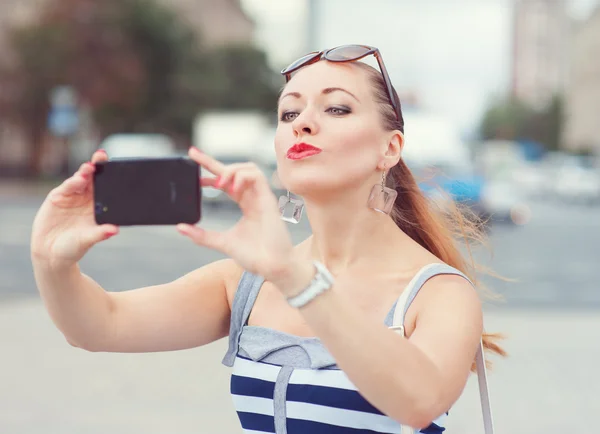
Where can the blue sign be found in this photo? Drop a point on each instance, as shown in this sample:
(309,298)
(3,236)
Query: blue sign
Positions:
(63,121)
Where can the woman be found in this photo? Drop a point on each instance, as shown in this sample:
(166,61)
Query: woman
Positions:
(309,325)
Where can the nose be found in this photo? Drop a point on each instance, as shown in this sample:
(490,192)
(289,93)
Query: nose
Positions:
(305,123)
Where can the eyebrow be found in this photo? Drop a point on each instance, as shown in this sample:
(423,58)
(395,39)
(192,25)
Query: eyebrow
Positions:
(325,91)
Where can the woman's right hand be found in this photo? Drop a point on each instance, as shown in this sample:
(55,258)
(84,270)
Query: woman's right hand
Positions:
(64,228)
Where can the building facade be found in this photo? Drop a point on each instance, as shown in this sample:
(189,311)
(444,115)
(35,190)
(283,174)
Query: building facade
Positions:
(582,97)
(541,40)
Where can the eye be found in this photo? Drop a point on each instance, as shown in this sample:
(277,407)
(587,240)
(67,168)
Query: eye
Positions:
(338,111)
(288,116)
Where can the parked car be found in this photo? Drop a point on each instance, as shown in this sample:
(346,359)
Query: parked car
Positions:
(126,145)
(578,180)
(492,200)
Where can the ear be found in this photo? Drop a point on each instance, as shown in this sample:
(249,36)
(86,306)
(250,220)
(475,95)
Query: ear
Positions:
(393,150)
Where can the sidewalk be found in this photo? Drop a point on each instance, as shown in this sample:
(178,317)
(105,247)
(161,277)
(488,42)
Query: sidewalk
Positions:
(548,385)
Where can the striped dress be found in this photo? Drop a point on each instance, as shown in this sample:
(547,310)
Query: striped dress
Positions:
(286,384)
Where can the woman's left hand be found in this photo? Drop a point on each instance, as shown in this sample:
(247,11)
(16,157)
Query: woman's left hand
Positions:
(259,242)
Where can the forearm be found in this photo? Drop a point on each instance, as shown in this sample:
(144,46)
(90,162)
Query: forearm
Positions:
(390,372)
(78,306)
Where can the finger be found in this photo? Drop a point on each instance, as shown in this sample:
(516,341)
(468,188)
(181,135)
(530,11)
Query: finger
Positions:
(211,239)
(208,182)
(87,169)
(99,156)
(230,172)
(76,184)
(97,234)
(243,180)
(208,163)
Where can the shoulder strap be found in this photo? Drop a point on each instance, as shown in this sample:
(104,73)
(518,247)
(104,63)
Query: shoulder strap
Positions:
(243,301)
(402,306)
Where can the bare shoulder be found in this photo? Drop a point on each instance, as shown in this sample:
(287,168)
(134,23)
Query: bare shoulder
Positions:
(446,300)
(448,290)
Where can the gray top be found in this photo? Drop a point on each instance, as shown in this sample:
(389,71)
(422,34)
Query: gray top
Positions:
(284,349)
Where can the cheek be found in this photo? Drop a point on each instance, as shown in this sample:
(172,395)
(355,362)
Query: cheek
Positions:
(354,141)
(282,140)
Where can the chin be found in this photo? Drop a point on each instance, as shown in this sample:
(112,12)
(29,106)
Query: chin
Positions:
(312,186)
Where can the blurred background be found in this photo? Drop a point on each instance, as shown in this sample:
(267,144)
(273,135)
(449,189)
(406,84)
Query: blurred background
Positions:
(501,101)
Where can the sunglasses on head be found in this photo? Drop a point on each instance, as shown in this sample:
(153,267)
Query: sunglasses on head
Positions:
(345,53)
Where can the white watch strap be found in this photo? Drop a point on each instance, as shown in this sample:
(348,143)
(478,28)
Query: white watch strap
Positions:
(322,281)
(486,408)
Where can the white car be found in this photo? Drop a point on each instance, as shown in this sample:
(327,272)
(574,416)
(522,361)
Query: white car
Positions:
(127,145)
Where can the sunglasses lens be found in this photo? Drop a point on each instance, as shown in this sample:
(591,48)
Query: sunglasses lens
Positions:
(298,63)
(347,52)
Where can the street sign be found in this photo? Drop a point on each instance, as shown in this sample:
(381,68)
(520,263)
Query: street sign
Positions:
(63,119)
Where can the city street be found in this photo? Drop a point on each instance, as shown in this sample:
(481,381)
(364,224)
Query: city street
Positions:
(551,316)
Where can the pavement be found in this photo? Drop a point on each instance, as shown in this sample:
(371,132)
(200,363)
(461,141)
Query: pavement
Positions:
(549,384)
(551,318)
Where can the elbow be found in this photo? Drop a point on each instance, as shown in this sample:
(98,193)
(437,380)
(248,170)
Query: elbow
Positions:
(426,409)
(423,408)
(82,346)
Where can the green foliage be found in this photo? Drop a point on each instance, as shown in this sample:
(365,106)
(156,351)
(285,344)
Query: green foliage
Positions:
(134,62)
(512,119)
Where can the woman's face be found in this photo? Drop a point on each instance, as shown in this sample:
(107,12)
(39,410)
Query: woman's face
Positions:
(330,107)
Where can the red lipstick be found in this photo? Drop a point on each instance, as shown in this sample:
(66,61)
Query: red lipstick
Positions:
(302,150)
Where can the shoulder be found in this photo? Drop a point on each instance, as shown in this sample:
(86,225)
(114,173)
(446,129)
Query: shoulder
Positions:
(450,288)
(448,295)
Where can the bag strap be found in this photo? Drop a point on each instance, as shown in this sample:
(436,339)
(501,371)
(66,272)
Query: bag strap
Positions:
(398,326)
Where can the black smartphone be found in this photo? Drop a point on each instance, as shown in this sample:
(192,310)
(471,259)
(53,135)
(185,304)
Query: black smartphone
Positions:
(147,191)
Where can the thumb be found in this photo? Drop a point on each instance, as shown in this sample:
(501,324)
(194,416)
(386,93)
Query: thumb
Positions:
(202,237)
(97,234)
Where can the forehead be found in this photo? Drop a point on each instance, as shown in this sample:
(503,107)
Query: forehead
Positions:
(324,74)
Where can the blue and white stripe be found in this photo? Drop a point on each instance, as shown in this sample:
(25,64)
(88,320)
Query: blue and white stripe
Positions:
(315,401)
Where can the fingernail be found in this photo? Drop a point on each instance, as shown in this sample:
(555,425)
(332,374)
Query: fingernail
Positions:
(182,228)
(194,149)
(102,150)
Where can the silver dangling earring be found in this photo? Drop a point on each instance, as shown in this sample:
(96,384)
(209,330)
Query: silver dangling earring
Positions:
(382,198)
(290,208)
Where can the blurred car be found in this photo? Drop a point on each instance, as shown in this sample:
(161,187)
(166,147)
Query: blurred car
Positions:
(578,181)
(126,145)
(489,199)
(504,201)
(444,182)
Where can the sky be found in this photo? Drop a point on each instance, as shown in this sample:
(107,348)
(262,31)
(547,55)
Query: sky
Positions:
(455,55)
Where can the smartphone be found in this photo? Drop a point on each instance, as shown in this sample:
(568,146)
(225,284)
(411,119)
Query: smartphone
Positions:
(147,191)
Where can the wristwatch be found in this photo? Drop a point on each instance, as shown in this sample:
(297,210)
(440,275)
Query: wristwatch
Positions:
(322,281)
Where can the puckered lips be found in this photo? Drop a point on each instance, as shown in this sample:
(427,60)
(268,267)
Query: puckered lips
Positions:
(302,150)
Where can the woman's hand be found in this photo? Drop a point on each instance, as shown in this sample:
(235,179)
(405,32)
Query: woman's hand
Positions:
(64,228)
(259,242)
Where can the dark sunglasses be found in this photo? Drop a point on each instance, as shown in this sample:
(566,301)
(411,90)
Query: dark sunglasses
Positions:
(345,53)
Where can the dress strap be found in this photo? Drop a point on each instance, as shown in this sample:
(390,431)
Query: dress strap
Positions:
(243,302)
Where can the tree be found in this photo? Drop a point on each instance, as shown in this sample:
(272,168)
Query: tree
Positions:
(137,66)
(512,119)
